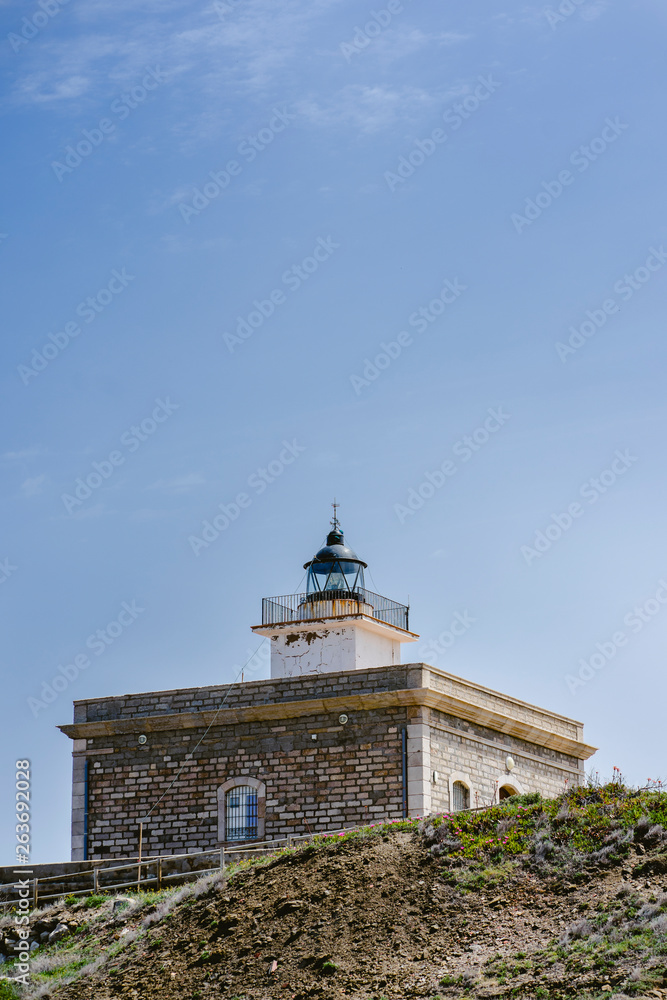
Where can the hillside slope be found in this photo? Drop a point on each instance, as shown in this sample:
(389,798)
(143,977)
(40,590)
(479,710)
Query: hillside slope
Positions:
(563,898)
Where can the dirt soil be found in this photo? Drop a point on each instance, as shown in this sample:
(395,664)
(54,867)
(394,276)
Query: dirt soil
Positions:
(370,918)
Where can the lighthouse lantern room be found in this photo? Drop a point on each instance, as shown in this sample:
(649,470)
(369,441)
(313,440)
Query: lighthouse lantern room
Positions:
(337,624)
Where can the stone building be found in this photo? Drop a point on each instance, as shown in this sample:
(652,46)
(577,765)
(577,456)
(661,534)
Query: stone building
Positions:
(341,734)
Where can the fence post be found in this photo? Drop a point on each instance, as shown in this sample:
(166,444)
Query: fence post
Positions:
(159,873)
(141,837)
(96,879)
(35,893)
(222,860)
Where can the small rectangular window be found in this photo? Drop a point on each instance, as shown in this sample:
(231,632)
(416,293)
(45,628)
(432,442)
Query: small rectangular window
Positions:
(461,796)
(241,813)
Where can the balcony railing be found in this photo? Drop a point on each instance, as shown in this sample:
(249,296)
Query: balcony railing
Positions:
(333,604)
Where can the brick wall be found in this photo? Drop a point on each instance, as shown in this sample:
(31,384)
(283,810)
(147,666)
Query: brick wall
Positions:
(465,748)
(350,775)
(263,692)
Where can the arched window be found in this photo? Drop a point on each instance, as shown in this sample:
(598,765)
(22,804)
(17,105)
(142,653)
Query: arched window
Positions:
(241,813)
(241,810)
(460,796)
(507,788)
(505,791)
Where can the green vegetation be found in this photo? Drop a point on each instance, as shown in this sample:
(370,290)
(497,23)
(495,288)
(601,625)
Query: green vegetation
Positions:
(8,991)
(623,929)
(450,980)
(591,822)
(596,822)
(474,850)
(93,901)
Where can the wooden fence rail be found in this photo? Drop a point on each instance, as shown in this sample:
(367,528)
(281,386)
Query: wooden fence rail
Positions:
(42,888)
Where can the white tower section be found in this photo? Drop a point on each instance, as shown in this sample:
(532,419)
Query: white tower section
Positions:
(337,624)
(343,641)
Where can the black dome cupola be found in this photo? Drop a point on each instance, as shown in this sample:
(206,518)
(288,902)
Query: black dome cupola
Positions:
(337,624)
(335,571)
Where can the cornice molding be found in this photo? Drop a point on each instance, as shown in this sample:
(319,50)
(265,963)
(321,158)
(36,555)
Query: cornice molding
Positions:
(404,698)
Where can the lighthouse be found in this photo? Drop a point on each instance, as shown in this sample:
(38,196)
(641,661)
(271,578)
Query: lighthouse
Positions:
(340,735)
(336,624)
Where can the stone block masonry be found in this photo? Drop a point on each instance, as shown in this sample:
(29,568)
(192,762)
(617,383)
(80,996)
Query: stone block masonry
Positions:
(323,751)
(319,784)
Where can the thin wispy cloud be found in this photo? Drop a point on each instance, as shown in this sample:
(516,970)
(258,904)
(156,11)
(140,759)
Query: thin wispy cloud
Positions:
(113,48)
(401,42)
(33,486)
(593,10)
(366,108)
(182,484)
(20,456)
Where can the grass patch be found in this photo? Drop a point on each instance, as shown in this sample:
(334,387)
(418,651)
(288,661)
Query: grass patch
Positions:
(590,822)
(9,991)
(94,901)
(621,932)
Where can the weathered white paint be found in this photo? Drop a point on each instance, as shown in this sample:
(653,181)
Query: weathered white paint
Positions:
(332,644)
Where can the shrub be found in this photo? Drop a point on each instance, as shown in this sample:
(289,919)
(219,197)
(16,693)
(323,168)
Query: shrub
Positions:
(438,838)
(563,815)
(579,929)
(527,799)
(542,847)
(8,990)
(93,901)
(647,911)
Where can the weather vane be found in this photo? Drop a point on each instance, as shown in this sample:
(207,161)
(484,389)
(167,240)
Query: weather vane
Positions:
(335,523)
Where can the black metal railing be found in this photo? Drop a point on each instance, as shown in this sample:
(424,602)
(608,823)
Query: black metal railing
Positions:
(333,604)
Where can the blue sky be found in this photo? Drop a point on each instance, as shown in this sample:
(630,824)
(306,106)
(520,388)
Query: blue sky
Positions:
(332,241)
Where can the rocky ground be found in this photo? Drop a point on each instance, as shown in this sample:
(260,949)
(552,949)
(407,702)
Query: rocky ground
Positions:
(409,910)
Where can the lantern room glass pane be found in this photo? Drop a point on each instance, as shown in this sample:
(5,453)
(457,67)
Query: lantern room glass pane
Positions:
(339,575)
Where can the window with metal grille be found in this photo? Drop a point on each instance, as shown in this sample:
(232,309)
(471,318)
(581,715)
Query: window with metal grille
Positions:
(461,796)
(241,813)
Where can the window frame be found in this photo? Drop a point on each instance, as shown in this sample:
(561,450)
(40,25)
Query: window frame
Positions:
(463,779)
(507,781)
(227,786)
